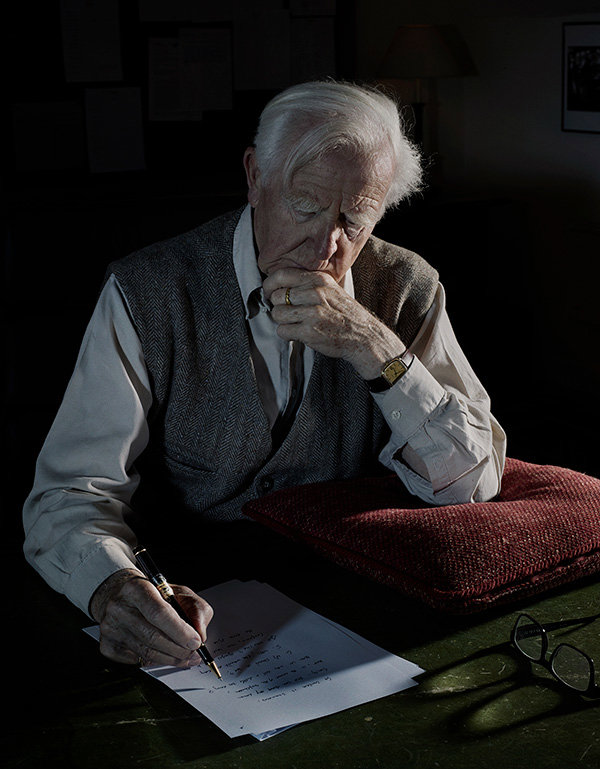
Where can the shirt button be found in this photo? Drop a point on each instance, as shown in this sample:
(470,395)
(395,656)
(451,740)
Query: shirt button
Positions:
(266,484)
(396,414)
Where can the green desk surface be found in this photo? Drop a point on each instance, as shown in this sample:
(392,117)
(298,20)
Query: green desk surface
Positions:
(477,706)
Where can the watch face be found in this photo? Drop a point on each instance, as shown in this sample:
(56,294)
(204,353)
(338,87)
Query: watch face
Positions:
(394,370)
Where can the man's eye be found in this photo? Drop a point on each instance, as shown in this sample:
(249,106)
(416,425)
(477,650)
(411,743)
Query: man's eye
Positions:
(353,230)
(304,211)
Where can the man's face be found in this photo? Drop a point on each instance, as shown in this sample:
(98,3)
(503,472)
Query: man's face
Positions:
(323,218)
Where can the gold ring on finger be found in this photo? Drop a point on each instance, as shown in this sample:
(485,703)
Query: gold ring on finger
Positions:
(288,301)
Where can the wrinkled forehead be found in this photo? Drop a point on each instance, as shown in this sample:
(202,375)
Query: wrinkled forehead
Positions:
(359,180)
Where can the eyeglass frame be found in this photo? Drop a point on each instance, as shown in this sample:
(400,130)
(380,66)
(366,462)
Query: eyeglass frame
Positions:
(593,689)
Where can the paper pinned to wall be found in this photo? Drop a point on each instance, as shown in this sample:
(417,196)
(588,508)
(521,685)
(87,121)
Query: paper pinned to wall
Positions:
(282,664)
(91,40)
(185,10)
(189,74)
(207,76)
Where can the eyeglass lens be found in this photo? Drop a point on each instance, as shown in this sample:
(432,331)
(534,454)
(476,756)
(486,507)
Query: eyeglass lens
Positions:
(529,638)
(572,667)
(568,664)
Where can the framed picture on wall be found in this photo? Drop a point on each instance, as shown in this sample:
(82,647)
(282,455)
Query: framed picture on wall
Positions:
(581,77)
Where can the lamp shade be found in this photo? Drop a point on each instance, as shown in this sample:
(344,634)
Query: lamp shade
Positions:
(426,51)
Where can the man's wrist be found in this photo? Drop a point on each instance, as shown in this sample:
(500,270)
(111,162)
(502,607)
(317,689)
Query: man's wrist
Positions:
(391,372)
(109,588)
(370,357)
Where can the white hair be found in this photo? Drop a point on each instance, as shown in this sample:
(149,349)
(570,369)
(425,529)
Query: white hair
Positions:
(306,121)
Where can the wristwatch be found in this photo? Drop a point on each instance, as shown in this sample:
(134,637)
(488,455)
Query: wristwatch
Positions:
(393,370)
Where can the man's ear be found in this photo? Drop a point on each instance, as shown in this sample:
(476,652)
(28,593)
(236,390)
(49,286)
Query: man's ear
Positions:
(252,176)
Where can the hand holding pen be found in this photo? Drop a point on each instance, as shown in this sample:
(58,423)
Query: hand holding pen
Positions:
(147,565)
(138,627)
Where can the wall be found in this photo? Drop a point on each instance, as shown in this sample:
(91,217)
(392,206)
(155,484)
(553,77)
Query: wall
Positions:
(498,137)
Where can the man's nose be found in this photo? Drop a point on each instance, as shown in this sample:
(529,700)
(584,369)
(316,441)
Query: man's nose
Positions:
(325,240)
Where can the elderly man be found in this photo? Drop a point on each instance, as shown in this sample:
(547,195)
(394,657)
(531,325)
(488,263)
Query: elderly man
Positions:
(277,345)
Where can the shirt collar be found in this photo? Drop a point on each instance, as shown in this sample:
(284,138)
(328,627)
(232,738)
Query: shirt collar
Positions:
(246,268)
(244,262)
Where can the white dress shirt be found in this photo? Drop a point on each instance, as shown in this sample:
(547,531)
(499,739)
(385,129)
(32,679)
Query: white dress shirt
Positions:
(445,445)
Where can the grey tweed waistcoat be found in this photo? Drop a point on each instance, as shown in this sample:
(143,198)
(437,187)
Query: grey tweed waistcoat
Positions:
(210,446)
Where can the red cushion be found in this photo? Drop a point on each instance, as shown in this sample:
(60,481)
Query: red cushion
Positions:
(542,531)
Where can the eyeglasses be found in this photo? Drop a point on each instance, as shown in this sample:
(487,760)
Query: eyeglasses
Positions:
(570,666)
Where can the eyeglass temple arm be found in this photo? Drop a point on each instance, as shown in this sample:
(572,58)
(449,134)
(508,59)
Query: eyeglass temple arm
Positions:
(569,622)
(531,629)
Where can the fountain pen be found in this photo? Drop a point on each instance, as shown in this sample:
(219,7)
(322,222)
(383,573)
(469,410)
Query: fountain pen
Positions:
(147,565)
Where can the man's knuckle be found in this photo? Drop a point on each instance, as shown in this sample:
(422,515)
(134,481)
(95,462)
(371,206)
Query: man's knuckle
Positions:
(154,613)
(117,613)
(114,650)
(106,629)
(320,279)
(145,652)
(106,646)
(322,294)
(110,621)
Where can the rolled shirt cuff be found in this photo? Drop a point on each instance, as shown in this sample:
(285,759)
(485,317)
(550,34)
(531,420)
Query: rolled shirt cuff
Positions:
(411,401)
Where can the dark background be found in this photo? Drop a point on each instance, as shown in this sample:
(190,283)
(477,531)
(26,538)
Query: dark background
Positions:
(511,219)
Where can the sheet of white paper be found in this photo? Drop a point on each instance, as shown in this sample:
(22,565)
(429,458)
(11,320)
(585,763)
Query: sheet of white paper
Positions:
(263,590)
(281,663)
(395,661)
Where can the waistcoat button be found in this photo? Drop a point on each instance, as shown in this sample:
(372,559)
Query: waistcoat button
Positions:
(266,483)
